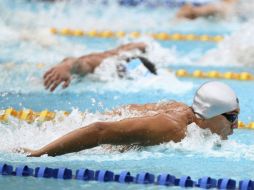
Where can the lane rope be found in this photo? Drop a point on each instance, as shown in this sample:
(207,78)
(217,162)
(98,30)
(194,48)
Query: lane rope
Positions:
(28,115)
(125,177)
(243,76)
(183,73)
(135,34)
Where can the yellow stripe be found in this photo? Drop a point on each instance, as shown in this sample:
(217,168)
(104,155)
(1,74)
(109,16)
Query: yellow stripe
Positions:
(119,34)
(243,76)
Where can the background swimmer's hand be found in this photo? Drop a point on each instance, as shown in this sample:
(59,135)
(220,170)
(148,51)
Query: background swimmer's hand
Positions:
(149,65)
(58,74)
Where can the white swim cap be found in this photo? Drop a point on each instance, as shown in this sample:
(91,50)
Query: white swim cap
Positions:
(214,98)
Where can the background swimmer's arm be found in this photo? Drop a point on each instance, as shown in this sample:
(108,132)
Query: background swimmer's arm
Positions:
(87,64)
(61,73)
(144,131)
(209,10)
(130,46)
(192,12)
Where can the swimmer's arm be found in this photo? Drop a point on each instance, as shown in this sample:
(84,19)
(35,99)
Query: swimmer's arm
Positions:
(61,73)
(143,131)
(192,12)
(129,47)
(215,9)
(208,10)
(86,64)
(95,59)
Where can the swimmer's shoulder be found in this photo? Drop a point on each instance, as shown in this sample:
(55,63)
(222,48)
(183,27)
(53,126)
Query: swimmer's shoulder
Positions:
(174,105)
(179,109)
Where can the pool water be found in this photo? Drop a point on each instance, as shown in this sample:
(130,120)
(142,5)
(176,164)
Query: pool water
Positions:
(28,49)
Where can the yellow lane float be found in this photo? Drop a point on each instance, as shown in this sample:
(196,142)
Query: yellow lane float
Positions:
(135,34)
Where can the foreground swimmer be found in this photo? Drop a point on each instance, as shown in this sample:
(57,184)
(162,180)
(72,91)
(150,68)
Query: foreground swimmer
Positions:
(218,9)
(87,64)
(215,106)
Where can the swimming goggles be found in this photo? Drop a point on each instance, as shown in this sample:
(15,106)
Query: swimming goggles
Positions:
(231,117)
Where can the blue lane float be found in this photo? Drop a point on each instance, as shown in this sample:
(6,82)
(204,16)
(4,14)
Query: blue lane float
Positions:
(246,185)
(62,173)
(145,178)
(186,181)
(207,182)
(23,171)
(124,177)
(226,183)
(84,174)
(166,179)
(44,172)
(6,169)
(104,176)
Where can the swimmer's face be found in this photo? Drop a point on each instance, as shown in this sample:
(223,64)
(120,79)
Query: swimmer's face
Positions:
(223,124)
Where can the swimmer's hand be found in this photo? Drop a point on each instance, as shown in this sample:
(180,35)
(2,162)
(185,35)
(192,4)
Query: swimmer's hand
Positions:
(27,152)
(58,74)
(149,65)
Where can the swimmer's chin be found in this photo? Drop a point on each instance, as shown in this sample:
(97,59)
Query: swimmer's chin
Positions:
(225,136)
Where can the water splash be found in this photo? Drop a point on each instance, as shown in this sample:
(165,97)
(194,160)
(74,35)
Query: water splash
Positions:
(236,49)
(202,142)
(105,76)
(29,43)
(198,142)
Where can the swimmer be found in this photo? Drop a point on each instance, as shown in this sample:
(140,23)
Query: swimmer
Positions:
(215,107)
(217,9)
(83,65)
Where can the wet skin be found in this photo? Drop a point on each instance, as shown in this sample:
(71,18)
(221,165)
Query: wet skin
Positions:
(219,9)
(168,122)
(220,125)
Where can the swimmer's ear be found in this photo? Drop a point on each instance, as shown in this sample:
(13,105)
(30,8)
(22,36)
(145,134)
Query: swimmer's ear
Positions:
(149,65)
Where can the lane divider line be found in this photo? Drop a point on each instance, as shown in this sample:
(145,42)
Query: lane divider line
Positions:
(243,76)
(145,178)
(163,36)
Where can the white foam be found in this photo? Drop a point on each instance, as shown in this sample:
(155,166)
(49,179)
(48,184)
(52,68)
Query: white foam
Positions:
(202,141)
(105,77)
(236,49)
(18,133)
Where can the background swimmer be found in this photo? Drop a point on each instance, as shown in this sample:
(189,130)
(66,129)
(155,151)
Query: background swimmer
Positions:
(215,106)
(218,9)
(87,64)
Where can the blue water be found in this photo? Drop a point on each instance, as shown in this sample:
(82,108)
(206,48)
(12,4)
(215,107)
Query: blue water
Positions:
(25,43)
